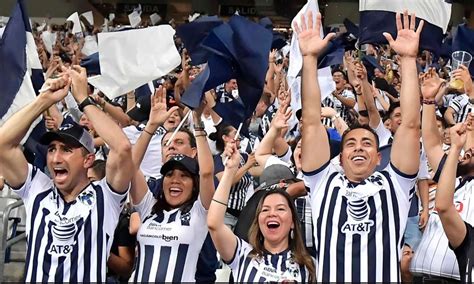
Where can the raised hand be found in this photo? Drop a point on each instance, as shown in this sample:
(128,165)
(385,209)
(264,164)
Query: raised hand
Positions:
(79,82)
(231,151)
(309,35)
(56,88)
(431,84)
(458,135)
(158,112)
(280,120)
(462,73)
(407,42)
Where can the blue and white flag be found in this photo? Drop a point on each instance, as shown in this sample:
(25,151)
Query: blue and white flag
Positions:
(326,84)
(378,16)
(21,74)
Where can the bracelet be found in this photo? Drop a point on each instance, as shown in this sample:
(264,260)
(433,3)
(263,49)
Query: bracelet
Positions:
(428,102)
(222,203)
(146,131)
(335,117)
(201,135)
(197,128)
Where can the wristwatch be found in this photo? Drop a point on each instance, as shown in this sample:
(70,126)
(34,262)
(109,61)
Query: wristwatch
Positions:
(88,101)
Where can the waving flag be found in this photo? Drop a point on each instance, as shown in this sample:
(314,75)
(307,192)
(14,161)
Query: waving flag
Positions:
(21,73)
(326,83)
(238,49)
(378,16)
(129,59)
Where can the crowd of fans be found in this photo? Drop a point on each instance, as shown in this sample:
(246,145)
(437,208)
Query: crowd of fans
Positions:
(203,195)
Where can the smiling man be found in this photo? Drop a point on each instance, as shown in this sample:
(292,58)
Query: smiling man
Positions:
(359,214)
(69,237)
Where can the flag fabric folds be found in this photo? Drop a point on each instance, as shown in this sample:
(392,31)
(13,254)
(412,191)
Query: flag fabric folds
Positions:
(326,83)
(129,59)
(378,16)
(238,49)
(20,68)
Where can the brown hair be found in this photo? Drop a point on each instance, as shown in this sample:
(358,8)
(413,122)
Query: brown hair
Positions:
(295,244)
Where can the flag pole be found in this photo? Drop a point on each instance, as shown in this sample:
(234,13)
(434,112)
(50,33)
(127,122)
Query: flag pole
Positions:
(235,138)
(178,128)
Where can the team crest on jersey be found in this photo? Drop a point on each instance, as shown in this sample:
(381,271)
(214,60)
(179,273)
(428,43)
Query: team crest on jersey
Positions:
(87,198)
(358,222)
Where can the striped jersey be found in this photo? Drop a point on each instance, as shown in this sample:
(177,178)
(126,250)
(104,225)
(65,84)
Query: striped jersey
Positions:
(68,242)
(433,256)
(461,106)
(238,191)
(465,255)
(359,227)
(275,268)
(333,102)
(169,242)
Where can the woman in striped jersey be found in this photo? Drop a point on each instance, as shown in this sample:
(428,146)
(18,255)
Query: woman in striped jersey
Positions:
(275,252)
(174,223)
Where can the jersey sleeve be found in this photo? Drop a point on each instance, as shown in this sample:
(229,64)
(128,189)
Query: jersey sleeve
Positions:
(316,179)
(457,103)
(36,182)
(403,184)
(241,251)
(383,133)
(144,207)
(113,202)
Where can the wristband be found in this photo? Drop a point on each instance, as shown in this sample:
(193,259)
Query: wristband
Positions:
(87,102)
(148,132)
(335,117)
(220,202)
(428,102)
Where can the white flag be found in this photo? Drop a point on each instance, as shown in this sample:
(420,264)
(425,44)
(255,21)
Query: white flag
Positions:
(155,18)
(134,19)
(326,84)
(90,45)
(130,59)
(74,18)
(89,17)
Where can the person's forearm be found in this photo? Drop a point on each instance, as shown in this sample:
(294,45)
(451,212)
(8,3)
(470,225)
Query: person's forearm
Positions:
(270,75)
(424,192)
(385,105)
(374,115)
(276,82)
(117,114)
(297,189)
(266,145)
(347,102)
(215,216)
(119,265)
(410,94)
(430,134)
(446,184)
(16,127)
(206,163)
(311,103)
(341,125)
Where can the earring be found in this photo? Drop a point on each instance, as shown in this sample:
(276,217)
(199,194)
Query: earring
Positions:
(292,234)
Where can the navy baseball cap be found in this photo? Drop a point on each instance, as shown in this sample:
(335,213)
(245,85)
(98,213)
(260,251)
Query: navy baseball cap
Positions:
(71,134)
(141,111)
(181,162)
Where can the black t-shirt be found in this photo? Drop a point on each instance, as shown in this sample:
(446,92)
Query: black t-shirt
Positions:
(465,255)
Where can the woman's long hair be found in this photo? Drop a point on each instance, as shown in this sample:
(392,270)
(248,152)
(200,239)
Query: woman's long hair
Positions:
(295,244)
(161,203)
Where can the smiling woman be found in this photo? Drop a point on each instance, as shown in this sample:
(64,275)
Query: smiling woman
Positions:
(275,252)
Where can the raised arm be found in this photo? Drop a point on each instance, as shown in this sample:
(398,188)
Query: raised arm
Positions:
(407,138)
(313,134)
(367,94)
(273,138)
(453,224)
(222,236)
(14,164)
(205,160)
(119,162)
(158,115)
(432,141)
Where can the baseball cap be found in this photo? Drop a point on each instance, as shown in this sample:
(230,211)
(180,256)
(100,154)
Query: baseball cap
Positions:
(275,173)
(181,162)
(141,111)
(72,134)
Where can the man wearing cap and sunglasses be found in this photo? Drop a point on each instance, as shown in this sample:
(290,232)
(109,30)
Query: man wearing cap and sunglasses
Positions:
(69,238)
